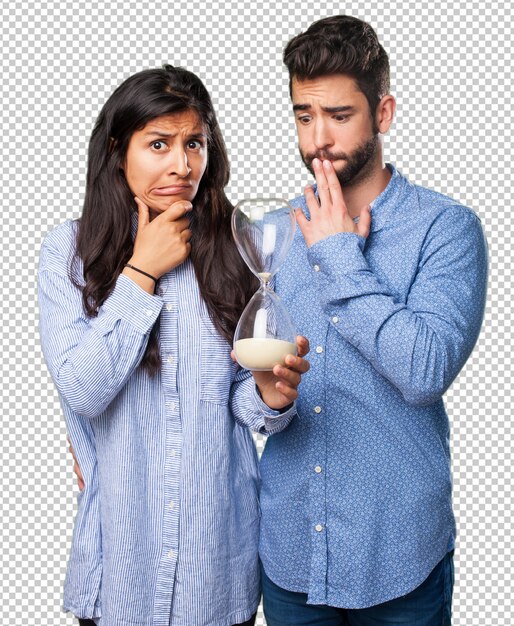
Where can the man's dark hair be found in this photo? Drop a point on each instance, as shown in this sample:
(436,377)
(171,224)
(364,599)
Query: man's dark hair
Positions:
(340,45)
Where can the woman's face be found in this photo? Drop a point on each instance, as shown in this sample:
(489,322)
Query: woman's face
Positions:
(166,160)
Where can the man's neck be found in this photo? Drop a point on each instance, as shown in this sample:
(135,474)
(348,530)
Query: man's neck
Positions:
(364,191)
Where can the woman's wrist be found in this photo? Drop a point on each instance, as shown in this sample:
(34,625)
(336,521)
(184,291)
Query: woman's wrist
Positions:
(140,277)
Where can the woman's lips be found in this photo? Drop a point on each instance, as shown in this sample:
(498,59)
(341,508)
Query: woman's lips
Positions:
(170,190)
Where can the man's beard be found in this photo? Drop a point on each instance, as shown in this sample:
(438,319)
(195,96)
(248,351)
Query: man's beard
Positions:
(358,163)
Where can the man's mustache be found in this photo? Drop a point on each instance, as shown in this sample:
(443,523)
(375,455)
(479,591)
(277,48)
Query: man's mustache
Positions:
(323,155)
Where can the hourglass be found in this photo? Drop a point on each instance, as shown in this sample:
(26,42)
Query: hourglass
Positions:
(263,230)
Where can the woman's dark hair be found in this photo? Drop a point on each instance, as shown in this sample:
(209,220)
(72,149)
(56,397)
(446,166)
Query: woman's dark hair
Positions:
(104,240)
(340,45)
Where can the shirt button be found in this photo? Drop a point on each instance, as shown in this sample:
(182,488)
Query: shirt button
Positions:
(319,349)
(171,554)
(317,409)
(170,359)
(318,528)
(335,319)
(171,405)
(317,469)
(173,453)
(148,312)
(171,505)
(316,268)
(169,307)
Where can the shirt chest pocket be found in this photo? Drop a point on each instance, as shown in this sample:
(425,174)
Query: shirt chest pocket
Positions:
(217,370)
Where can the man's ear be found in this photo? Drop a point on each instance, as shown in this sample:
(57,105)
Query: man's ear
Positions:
(385,113)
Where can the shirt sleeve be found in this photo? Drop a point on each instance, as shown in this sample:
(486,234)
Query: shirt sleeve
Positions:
(419,345)
(90,359)
(250,410)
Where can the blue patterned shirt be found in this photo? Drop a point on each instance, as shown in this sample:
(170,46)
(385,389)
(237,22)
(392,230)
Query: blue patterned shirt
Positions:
(356,492)
(166,532)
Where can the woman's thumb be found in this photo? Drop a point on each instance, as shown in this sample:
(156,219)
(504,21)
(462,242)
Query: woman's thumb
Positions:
(143,213)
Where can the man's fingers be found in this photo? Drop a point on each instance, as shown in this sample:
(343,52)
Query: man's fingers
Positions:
(301,220)
(78,474)
(311,200)
(336,193)
(143,213)
(364,225)
(325,199)
(72,451)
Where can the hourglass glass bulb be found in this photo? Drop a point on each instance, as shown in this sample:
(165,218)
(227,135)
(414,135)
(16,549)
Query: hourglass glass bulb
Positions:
(263,230)
(265,334)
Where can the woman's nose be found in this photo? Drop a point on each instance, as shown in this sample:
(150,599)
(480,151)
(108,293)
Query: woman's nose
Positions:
(179,165)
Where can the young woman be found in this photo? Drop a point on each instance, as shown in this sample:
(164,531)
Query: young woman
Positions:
(139,299)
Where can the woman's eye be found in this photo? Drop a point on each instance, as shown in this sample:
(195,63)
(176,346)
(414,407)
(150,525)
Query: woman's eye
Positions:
(194,144)
(158,145)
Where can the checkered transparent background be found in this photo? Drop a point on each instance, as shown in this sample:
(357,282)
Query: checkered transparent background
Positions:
(60,61)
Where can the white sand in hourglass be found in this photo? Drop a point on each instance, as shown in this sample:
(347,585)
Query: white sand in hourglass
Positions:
(262,354)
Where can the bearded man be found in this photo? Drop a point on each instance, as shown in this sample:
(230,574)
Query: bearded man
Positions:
(388,281)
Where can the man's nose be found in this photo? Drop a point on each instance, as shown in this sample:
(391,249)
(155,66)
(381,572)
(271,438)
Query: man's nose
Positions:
(322,136)
(178,163)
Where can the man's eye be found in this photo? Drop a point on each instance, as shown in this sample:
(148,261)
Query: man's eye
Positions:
(305,119)
(341,118)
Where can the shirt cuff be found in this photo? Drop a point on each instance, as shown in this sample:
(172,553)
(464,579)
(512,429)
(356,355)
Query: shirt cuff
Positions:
(274,420)
(340,253)
(132,304)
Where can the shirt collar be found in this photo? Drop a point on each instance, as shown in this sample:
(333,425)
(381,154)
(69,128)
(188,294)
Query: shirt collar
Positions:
(133,224)
(383,206)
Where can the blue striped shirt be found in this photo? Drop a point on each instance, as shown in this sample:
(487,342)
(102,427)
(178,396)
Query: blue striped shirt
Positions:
(167,525)
(356,493)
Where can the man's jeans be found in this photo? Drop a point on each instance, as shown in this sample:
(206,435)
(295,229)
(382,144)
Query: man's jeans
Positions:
(428,605)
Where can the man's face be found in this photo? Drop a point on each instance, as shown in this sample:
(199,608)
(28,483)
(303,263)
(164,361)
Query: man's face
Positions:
(333,122)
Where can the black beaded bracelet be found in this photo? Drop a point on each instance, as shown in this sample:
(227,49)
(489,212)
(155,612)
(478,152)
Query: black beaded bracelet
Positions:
(136,269)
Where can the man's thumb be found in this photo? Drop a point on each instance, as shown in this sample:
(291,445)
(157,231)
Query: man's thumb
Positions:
(364,225)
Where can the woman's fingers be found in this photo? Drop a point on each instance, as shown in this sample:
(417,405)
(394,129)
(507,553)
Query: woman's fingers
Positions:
(175,212)
(288,376)
(302,345)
